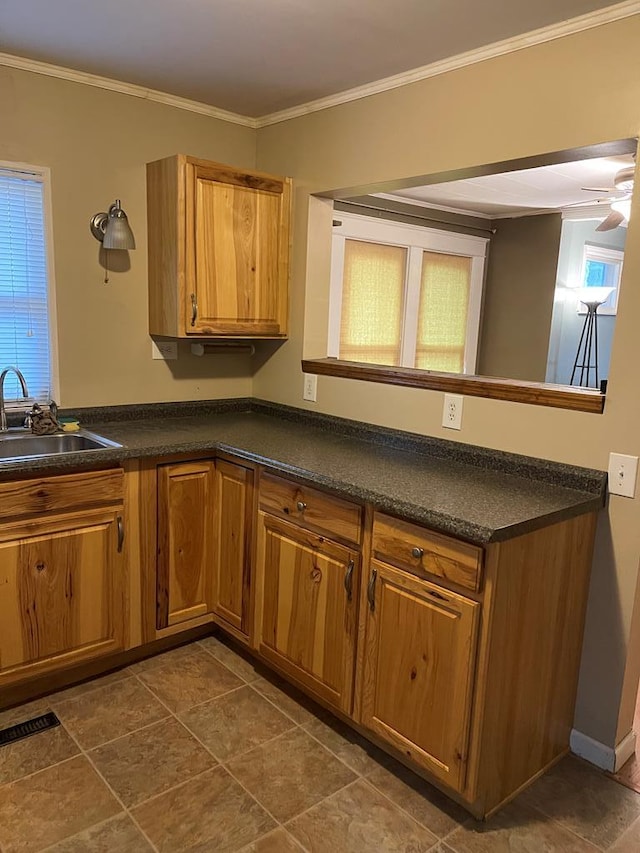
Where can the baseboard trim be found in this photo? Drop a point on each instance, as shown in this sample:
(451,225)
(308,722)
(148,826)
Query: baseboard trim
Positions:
(603,756)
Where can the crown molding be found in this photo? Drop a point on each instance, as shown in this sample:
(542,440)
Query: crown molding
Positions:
(500,48)
(618,12)
(62,73)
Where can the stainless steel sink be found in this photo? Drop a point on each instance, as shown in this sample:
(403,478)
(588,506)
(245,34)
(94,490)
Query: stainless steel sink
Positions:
(19,445)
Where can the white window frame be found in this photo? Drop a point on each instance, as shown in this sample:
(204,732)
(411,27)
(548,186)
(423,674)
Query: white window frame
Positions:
(416,240)
(42,174)
(615,257)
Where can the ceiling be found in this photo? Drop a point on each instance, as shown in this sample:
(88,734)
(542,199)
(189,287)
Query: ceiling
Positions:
(523,192)
(256,57)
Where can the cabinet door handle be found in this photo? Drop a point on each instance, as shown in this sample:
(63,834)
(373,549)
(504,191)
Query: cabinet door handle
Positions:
(194,309)
(120,525)
(348,579)
(371,590)
(417,552)
(301,506)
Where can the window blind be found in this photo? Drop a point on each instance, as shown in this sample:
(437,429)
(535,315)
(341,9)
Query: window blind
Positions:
(442,317)
(372,302)
(24,310)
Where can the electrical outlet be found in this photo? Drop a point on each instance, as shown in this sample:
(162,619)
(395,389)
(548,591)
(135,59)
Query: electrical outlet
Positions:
(622,474)
(310,389)
(452,411)
(167,350)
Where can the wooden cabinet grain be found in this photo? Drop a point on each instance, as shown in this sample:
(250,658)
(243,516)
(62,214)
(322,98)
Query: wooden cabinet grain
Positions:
(233,540)
(62,575)
(218,250)
(185,541)
(419,660)
(309,608)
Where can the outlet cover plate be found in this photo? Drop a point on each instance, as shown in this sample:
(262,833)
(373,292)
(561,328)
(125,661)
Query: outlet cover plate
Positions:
(452,411)
(310,387)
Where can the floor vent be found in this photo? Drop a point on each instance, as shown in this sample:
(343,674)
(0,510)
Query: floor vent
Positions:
(30,727)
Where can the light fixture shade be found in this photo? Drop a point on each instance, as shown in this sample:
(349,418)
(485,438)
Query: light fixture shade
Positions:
(117,233)
(594,295)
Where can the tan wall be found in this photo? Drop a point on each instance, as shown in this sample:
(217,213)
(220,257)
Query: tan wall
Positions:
(540,99)
(518,297)
(96,144)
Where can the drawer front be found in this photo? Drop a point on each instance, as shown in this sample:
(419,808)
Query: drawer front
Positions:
(35,496)
(311,508)
(423,551)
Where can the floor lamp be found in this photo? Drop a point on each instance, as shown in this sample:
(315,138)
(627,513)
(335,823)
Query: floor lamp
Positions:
(586,360)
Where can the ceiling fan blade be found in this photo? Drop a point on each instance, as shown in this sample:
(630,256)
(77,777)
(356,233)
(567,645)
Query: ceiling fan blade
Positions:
(612,221)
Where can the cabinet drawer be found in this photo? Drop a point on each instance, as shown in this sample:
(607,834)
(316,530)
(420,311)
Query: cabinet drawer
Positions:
(421,550)
(310,507)
(21,498)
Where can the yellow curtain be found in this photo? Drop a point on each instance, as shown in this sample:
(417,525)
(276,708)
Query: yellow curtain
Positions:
(442,319)
(372,302)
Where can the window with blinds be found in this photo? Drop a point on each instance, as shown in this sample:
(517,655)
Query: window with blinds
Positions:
(405,296)
(25,339)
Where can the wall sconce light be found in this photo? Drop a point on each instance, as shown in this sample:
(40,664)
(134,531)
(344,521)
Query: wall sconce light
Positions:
(112,228)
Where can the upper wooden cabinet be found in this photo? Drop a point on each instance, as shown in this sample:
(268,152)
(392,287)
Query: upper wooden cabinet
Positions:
(218,250)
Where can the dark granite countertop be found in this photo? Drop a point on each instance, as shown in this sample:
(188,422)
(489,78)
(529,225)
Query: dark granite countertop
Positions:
(476,494)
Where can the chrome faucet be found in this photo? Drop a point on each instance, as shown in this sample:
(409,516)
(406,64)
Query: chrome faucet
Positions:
(25,393)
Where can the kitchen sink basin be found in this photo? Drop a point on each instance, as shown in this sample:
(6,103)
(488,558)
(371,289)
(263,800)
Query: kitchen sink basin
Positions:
(15,446)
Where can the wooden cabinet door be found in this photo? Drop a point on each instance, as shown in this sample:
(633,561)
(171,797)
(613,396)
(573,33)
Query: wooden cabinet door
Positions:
(185,541)
(309,609)
(61,592)
(237,252)
(232,575)
(418,669)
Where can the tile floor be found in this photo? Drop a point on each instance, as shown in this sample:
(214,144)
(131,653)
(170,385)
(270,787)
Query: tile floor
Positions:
(197,750)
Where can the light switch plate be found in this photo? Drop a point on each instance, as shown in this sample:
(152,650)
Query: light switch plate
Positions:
(622,474)
(167,350)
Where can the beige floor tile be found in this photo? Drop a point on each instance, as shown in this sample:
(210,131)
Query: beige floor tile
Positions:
(151,761)
(110,712)
(422,801)
(583,799)
(87,686)
(118,835)
(243,666)
(356,819)
(236,722)
(190,679)
(210,813)
(357,752)
(278,841)
(52,805)
(164,658)
(517,829)
(35,753)
(293,703)
(629,841)
(22,713)
(290,774)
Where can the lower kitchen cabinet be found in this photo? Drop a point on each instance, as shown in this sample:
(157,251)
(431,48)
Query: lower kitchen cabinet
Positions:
(62,576)
(309,608)
(233,541)
(185,548)
(419,658)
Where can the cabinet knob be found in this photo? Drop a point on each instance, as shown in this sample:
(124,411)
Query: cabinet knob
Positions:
(417,552)
(301,506)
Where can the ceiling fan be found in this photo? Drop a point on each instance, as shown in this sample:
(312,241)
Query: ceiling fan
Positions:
(621,203)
